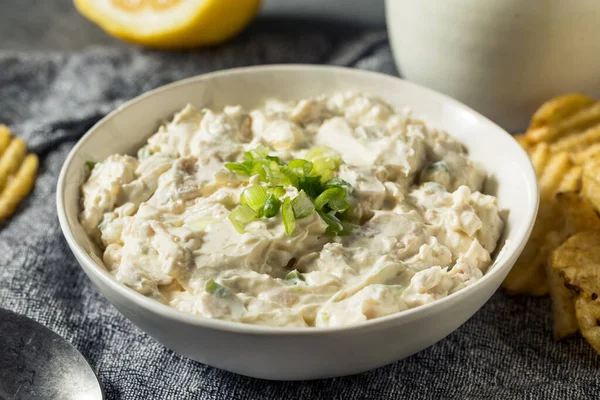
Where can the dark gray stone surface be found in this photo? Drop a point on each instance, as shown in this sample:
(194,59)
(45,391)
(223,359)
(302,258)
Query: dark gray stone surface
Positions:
(47,25)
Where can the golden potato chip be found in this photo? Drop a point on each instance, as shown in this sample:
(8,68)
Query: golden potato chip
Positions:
(574,213)
(567,214)
(581,119)
(540,155)
(563,142)
(555,172)
(577,260)
(587,311)
(590,181)
(552,175)
(17,172)
(559,108)
(580,157)
(5,137)
(19,186)
(571,181)
(563,309)
(11,159)
(578,141)
(528,275)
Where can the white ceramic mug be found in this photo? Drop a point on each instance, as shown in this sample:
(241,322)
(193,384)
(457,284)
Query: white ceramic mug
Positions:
(501,57)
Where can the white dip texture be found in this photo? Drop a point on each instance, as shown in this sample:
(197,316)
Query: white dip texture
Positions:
(326,211)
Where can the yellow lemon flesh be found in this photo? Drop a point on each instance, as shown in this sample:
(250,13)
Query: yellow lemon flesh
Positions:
(170,24)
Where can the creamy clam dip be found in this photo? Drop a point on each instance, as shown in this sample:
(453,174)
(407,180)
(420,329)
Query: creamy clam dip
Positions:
(326,211)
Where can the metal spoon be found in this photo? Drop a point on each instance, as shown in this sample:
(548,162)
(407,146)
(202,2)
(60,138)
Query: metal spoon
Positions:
(36,363)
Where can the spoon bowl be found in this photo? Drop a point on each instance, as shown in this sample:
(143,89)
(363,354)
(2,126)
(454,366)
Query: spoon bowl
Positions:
(36,363)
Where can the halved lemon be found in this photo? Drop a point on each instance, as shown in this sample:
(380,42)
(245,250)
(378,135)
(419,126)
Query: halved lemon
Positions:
(170,24)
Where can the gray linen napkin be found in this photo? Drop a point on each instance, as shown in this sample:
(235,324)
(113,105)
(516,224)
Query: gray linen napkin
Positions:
(50,99)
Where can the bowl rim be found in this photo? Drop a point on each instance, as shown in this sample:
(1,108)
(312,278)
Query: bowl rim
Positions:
(153,306)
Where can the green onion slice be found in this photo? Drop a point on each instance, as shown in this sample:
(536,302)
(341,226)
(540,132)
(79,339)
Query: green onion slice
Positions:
(334,225)
(294,278)
(215,289)
(334,197)
(90,164)
(311,185)
(277,191)
(337,182)
(261,168)
(242,215)
(256,154)
(239,168)
(272,205)
(273,158)
(302,166)
(289,177)
(324,152)
(324,158)
(287,215)
(302,205)
(254,196)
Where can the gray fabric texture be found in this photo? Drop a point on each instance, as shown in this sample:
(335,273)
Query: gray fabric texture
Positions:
(50,99)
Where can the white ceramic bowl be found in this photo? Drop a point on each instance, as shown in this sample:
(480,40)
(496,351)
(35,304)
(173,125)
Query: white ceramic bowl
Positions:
(296,353)
(504,58)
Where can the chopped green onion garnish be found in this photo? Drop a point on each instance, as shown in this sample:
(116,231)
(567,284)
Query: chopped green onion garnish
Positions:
(314,177)
(287,215)
(311,185)
(334,198)
(302,205)
(277,191)
(242,215)
(273,158)
(271,207)
(90,164)
(254,196)
(324,152)
(215,289)
(294,278)
(334,225)
(337,182)
(302,166)
(280,174)
(238,168)
(325,162)
(288,177)
(261,168)
(256,154)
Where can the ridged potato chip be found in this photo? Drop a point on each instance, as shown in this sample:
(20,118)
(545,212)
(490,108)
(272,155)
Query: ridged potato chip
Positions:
(558,109)
(563,309)
(577,260)
(591,180)
(17,172)
(555,173)
(569,123)
(578,116)
(563,253)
